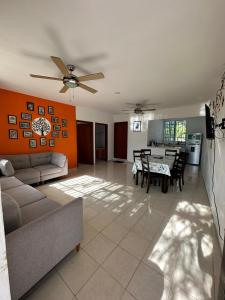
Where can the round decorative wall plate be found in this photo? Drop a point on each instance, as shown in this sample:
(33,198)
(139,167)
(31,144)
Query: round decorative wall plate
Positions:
(41,126)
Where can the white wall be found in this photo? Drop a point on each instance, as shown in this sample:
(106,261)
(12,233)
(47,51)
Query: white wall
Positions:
(219,178)
(97,116)
(138,140)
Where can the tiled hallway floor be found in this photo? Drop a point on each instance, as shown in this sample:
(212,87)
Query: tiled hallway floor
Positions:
(136,245)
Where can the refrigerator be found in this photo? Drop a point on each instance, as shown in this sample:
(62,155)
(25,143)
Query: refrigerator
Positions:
(193,148)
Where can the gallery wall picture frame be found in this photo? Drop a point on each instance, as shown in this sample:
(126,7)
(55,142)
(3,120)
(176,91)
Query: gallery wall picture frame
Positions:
(43,141)
(25,125)
(41,110)
(55,134)
(54,119)
(64,133)
(33,143)
(13,134)
(56,127)
(26,116)
(50,110)
(51,143)
(27,134)
(64,123)
(137,126)
(12,119)
(30,106)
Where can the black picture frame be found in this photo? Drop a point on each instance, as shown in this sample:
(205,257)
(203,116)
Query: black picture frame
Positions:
(13,134)
(41,110)
(43,141)
(30,106)
(64,133)
(64,123)
(12,119)
(54,119)
(51,143)
(33,143)
(55,134)
(57,127)
(50,110)
(137,126)
(27,134)
(26,116)
(24,125)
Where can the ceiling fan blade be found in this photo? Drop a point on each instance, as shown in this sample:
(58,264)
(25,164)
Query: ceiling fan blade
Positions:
(64,89)
(60,64)
(150,109)
(129,103)
(87,88)
(91,77)
(45,77)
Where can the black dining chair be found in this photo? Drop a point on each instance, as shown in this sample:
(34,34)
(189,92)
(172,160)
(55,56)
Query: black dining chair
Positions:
(177,173)
(137,156)
(146,151)
(146,173)
(170,152)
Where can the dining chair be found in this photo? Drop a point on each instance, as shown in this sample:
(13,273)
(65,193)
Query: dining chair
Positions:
(146,151)
(170,152)
(146,173)
(137,156)
(177,172)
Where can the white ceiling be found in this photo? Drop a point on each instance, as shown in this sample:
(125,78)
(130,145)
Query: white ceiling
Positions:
(170,52)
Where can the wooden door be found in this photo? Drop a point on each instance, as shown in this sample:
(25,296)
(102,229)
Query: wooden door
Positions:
(120,140)
(85,142)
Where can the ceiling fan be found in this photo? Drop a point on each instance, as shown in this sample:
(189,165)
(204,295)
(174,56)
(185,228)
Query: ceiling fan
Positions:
(139,108)
(69,79)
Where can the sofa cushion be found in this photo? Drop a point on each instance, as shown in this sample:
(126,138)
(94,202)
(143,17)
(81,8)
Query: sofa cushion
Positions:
(37,209)
(25,194)
(58,159)
(6,168)
(19,161)
(38,159)
(48,169)
(11,213)
(9,182)
(26,174)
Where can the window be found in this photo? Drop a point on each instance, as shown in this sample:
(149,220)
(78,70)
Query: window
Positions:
(175,131)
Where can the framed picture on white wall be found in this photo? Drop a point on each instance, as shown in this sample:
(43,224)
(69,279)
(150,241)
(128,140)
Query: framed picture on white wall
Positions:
(137,126)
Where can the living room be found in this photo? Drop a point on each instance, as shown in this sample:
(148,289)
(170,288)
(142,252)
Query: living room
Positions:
(112,150)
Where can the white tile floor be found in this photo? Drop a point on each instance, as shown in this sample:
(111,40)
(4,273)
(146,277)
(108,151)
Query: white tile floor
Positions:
(136,246)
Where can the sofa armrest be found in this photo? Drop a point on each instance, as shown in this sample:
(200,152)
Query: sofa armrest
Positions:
(34,249)
(59,159)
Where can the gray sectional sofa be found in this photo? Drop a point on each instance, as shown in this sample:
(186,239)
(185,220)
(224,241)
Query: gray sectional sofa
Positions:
(39,232)
(38,167)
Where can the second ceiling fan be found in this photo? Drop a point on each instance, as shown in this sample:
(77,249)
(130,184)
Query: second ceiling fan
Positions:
(69,79)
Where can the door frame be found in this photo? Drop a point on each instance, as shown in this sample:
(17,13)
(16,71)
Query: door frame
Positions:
(92,139)
(106,138)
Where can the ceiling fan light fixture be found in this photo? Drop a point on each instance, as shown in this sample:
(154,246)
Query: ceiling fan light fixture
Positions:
(70,82)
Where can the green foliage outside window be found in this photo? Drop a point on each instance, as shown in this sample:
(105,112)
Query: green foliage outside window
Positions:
(174,131)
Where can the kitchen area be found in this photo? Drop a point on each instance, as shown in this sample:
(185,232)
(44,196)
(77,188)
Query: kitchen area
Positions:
(178,134)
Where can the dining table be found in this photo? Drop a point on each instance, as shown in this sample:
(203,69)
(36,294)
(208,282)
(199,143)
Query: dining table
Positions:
(157,164)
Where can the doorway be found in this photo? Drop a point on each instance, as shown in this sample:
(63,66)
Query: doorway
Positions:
(120,140)
(101,141)
(85,153)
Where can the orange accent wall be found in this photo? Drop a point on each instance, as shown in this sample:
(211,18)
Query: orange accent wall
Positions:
(13,103)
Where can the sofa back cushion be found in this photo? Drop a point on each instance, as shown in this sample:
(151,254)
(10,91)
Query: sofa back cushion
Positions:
(11,213)
(58,159)
(6,167)
(19,161)
(38,159)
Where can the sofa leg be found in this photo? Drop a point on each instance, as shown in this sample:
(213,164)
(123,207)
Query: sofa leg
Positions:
(78,247)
